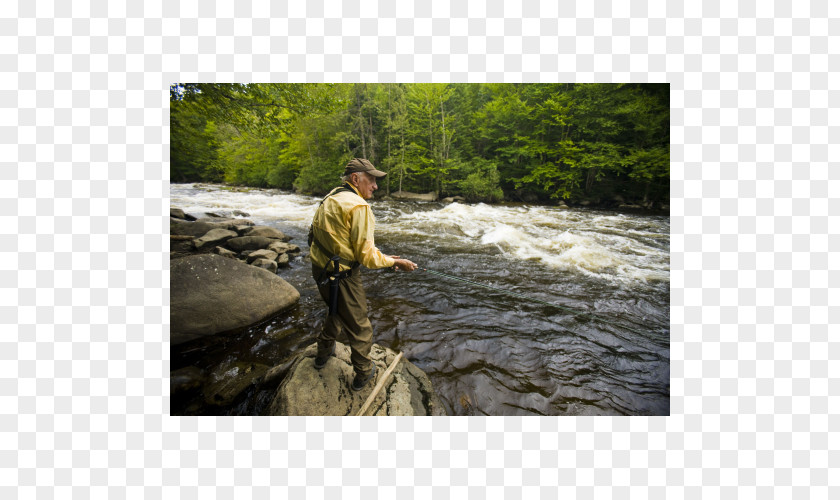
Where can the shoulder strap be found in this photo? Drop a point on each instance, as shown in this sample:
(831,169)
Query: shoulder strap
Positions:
(314,240)
(340,189)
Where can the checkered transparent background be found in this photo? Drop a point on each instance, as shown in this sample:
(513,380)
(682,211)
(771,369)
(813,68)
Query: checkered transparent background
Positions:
(84,273)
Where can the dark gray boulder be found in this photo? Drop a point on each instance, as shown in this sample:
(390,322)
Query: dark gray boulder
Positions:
(268,265)
(180,245)
(224,252)
(214,237)
(202,226)
(281,247)
(268,232)
(185,228)
(226,222)
(179,214)
(211,294)
(241,243)
(261,254)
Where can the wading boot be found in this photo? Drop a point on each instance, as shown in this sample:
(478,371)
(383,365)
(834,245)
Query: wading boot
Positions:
(361,380)
(321,362)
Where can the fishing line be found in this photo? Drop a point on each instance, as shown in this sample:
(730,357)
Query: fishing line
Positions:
(574,312)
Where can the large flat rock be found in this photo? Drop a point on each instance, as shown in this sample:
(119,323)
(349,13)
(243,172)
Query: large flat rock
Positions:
(311,392)
(211,294)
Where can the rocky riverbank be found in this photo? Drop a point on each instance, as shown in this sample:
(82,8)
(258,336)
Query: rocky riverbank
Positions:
(295,387)
(260,246)
(223,278)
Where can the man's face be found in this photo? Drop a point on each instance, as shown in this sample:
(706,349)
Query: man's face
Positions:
(366,184)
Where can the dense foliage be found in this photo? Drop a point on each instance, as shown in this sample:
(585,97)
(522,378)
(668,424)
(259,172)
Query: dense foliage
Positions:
(597,143)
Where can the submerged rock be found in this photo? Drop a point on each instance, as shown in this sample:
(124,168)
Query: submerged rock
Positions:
(275,375)
(229,381)
(185,379)
(307,391)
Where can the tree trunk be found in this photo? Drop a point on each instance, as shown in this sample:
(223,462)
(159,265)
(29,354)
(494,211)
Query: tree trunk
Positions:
(590,178)
(444,153)
(402,160)
(372,146)
(362,124)
(431,134)
(390,161)
(364,147)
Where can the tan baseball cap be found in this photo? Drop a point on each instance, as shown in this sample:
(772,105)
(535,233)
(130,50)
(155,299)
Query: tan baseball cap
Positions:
(362,165)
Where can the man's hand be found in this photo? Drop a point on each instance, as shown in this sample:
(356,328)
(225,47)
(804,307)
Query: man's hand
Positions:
(403,264)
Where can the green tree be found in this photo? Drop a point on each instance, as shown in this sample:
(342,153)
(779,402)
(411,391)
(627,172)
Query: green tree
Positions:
(599,142)
(599,129)
(430,149)
(481,181)
(193,150)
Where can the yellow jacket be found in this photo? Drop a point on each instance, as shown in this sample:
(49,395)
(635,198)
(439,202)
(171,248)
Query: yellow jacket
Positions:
(344,223)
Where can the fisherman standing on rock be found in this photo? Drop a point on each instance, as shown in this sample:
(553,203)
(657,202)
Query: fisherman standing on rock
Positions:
(340,240)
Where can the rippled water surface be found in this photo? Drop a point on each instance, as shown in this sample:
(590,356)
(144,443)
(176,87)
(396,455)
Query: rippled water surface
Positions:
(604,349)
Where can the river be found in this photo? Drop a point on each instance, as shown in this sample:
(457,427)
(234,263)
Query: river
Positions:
(602,349)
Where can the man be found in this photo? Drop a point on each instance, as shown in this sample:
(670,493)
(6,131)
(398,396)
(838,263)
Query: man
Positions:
(342,230)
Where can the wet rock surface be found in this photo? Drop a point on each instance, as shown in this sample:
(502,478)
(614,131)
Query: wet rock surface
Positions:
(308,391)
(217,289)
(211,294)
(229,381)
(230,237)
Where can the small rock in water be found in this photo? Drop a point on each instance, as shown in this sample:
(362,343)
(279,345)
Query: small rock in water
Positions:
(229,381)
(224,252)
(185,379)
(261,254)
(268,232)
(266,264)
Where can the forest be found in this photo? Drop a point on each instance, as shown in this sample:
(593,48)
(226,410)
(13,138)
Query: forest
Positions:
(594,144)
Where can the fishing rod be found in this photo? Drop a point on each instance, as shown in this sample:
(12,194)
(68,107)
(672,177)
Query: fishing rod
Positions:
(570,310)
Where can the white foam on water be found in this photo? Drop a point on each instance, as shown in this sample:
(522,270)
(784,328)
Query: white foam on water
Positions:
(609,247)
(267,204)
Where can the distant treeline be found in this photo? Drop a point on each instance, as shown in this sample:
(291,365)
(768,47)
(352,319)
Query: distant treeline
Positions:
(598,143)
